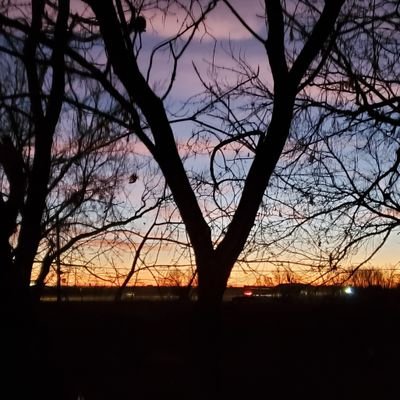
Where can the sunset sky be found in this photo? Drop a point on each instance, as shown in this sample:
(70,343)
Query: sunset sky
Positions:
(223,34)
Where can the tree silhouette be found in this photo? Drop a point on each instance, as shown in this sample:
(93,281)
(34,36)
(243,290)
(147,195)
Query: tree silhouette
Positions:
(64,169)
(347,162)
(151,124)
(27,189)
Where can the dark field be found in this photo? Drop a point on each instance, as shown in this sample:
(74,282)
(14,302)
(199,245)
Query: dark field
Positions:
(147,350)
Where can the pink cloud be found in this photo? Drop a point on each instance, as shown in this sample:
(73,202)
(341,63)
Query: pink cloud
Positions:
(220,23)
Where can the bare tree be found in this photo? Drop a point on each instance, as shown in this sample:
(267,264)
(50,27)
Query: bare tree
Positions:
(88,166)
(151,124)
(341,191)
(23,203)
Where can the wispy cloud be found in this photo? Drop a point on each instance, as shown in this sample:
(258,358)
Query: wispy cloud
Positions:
(221,23)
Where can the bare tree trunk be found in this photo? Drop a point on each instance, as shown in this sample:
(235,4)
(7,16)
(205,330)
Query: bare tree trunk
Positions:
(207,328)
(45,122)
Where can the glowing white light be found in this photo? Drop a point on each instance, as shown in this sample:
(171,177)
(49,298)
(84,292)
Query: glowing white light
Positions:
(349,290)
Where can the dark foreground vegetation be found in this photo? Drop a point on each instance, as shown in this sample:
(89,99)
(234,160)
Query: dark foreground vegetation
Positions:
(342,349)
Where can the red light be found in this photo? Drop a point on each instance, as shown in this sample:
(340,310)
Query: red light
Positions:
(248,292)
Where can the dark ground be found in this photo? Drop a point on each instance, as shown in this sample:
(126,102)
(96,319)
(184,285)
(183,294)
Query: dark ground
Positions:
(139,350)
